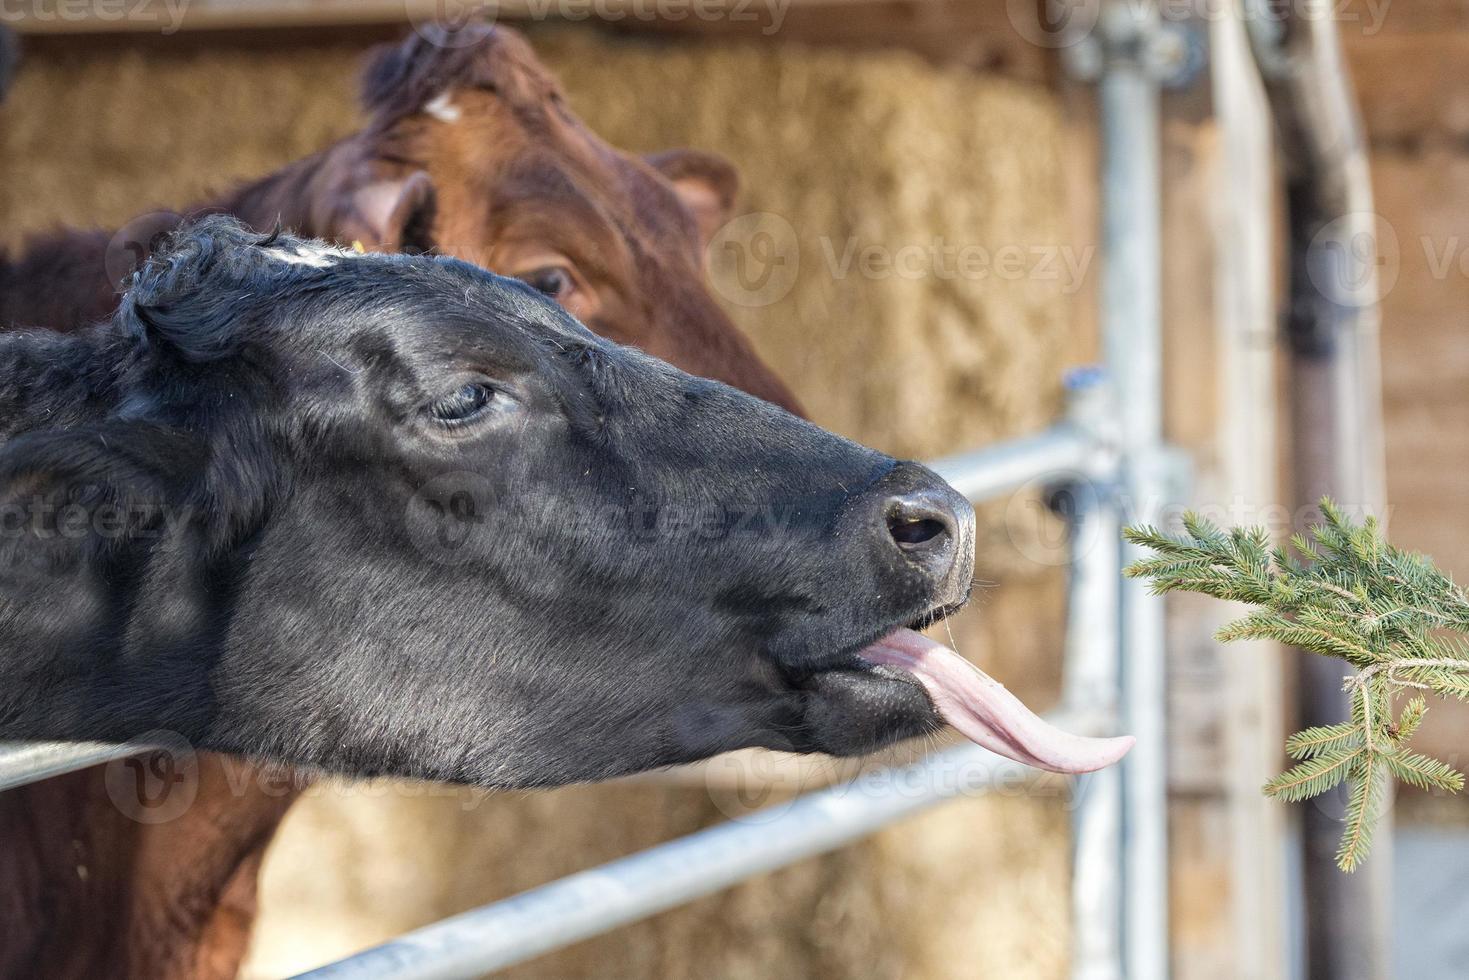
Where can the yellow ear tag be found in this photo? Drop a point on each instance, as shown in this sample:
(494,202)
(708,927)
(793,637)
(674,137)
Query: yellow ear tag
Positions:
(357,247)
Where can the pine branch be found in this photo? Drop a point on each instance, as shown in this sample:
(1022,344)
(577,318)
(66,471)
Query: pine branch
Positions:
(1361,816)
(1315,776)
(1340,591)
(1314,741)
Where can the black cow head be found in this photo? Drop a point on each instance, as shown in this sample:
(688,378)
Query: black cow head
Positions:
(390,514)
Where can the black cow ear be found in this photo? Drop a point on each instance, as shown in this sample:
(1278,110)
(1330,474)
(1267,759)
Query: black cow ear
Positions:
(70,499)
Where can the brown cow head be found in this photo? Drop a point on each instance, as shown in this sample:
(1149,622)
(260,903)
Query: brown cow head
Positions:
(471,151)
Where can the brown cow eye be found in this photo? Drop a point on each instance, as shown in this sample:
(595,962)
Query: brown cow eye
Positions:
(465,405)
(555,281)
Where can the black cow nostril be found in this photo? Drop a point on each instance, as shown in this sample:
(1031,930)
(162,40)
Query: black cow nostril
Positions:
(910,533)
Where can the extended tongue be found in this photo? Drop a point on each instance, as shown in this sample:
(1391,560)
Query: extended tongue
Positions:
(985,712)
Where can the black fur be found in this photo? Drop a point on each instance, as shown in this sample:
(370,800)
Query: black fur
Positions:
(232,514)
(9,59)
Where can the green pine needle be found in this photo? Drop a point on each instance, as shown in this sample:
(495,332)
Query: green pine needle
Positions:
(1363,804)
(1315,776)
(1340,591)
(1314,741)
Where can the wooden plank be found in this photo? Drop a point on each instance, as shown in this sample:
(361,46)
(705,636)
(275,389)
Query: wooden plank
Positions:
(1254,673)
(981,36)
(1413,89)
(978,35)
(1227,849)
(1335,419)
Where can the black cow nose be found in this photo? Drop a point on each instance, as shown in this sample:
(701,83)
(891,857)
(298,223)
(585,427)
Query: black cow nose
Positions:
(921,522)
(926,528)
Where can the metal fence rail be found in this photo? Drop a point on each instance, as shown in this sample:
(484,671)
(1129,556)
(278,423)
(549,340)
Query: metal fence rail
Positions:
(633,888)
(29,762)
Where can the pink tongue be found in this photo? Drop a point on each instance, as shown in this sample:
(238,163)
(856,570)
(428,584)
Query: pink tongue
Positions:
(984,712)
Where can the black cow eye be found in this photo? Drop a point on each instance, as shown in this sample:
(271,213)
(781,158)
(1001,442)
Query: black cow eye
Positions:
(554,280)
(465,405)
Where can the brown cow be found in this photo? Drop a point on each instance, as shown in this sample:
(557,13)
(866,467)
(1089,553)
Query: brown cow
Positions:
(470,150)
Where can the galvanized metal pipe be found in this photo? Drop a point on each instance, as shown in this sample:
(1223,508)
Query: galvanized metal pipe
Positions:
(1091,676)
(29,762)
(1131,318)
(1061,454)
(633,888)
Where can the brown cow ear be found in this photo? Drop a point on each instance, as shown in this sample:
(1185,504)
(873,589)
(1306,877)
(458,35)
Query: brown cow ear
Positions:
(706,182)
(391,214)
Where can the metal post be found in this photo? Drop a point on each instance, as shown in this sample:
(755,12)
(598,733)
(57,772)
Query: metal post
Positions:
(1091,676)
(1131,317)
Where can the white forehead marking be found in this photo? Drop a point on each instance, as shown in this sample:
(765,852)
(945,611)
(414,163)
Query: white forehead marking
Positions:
(310,254)
(442,108)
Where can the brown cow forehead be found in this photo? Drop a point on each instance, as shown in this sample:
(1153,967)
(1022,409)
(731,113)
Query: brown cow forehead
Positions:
(519,76)
(505,64)
(420,71)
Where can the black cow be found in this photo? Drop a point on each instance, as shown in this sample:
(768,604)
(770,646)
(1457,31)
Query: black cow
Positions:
(390,514)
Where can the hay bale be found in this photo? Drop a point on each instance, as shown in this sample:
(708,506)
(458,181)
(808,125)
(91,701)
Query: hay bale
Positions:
(871,153)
